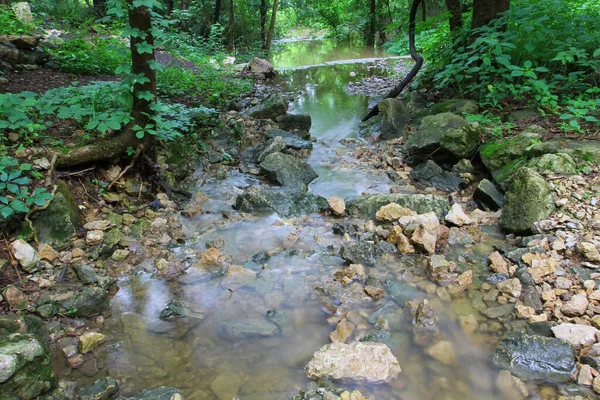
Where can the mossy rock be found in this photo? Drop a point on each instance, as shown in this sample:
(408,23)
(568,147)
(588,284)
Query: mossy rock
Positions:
(458,106)
(288,170)
(270,108)
(498,153)
(58,223)
(367,206)
(25,367)
(287,202)
(394,117)
(584,150)
(461,142)
(561,163)
(427,136)
(527,200)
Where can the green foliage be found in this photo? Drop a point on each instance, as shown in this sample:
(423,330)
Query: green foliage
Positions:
(71,12)
(95,57)
(10,25)
(16,192)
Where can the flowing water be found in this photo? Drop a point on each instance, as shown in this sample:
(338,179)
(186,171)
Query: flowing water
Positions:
(229,348)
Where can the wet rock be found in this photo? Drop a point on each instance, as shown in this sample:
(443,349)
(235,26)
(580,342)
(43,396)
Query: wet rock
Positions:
(227,385)
(576,306)
(275,145)
(401,292)
(424,238)
(557,163)
(286,203)
(510,387)
(102,389)
(289,139)
(365,252)
(351,273)
(237,276)
(86,302)
(461,142)
(85,274)
(272,107)
(394,117)
(536,357)
(25,254)
(59,222)
(440,270)
(249,328)
(25,368)
(343,331)
(428,134)
(577,335)
(527,200)
(393,212)
(288,170)
(195,206)
(431,174)
(337,205)
(498,264)
(462,282)
(488,195)
(300,123)
(443,351)
(180,309)
(457,216)
(160,393)
(459,236)
(425,330)
(90,340)
(358,363)
(367,206)
(511,287)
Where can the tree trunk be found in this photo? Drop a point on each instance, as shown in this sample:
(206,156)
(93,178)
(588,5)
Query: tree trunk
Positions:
(217,12)
(263,22)
(99,8)
(185,5)
(231,32)
(372,23)
(455,10)
(271,26)
(169,6)
(139,18)
(486,10)
(424,10)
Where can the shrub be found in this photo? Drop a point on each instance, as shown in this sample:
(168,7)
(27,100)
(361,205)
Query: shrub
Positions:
(100,56)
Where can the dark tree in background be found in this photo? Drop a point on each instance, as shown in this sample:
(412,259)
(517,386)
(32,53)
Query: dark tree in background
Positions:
(455,9)
(263,22)
(217,11)
(271,26)
(486,10)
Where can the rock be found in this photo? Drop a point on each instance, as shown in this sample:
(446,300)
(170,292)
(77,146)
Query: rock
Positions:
(577,335)
(351,272)
(367,206)
(527,200)
(462,282)
(586,150)
(488,195)
(498,264)
(236,277)
(159,393)
(424,238)
(536,357)
(288,170)
(59,222)
(400,292)
(557,163)
(272,107)
(585,376)
(20,324)
(94,238)
(120,254)
(356,363)
(261,67)
(365,252)
(426,138)
(46,252)
(443,351)
(337,205)
(300,123)
(227,385)
(576,306)
(25,254)
(286,203)
(21,42)
(589,251)
(431,174)
(511,287)
(403,244)
(393,212)
(98,225)
(102,389)
(457,216)
(343,331)
(461,142)
(250,328)
(90,340)
(87,301)
(211,256)
(15,298)
(524,116)
(463,166)
(275,145)
(500,153)
(9,55)
(23,12)
(394,117)
(510,387)
(25,367)
(289,139)
(458,106)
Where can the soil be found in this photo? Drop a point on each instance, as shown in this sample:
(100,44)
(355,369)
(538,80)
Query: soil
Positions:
(42,80)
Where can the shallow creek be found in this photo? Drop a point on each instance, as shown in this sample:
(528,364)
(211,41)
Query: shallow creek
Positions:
(210,356)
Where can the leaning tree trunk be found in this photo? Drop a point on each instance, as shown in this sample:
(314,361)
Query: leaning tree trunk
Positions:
(263,22)
(486,10)
(271,26)
(413,53)
(455,19)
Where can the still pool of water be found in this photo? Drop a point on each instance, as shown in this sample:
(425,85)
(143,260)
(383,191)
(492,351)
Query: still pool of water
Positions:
(251,339)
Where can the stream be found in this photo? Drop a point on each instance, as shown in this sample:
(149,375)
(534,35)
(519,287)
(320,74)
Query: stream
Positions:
(254,341)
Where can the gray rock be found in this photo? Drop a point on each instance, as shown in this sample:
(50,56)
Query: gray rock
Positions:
(86,302)
(102,389)
(367,206)
(365,252)
(585,150)
(488,195)
(300,123)
(461,143)
(536,357)
(527,115)
(402,292)
(499,154)
(561,163)
(275,145)
(291,141)
(463,166)
(431,174)
(20,324)
(57,223)
(288,170)
(25,367)
(527,200)
(458,106)
(85,273)
(270,108)
(159,393)
(286,203)
(394,117)
(250,328)
(33,57)
(427,136)
(9,53)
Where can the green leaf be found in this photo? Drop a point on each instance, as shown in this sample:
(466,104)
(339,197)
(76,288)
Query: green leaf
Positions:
(22,181)
(146,95)
(144,48)
(12,188)
(139,134)
(596,53)
(516,73)
(19,206)
(6,212)
(25,167)
(102,127)
(527,64)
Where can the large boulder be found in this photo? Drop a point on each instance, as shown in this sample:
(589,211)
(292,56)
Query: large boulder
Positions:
(22,42)
(536,357)
(461,143)
(356,363)
(287,203)
(270,108)
(428,134)
(527,200)
(25,367)
(288,170)
(457,106)
(586,150)
(367,206)
(394,117)
(499,154)
(431,174)
(299,123)
(561,163)
(20,324)
(261,68)
(291,141)
(57,223)
(9,53)
(83,303)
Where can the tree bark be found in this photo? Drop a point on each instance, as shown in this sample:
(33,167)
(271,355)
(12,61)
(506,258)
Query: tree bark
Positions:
(217,15)
(271,26)
(486,10)
(455,19)
(185,5)
(99,8)
(372,23)
(169,6)
(424,10)
(263,22)
(231,30)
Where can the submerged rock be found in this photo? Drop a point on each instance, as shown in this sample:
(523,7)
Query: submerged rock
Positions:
(25,368)
(286,202)
(365,252)
(159,393)
(102,389)
(536,357)
(357,363)
(367,206)
(528,199)
(241,329)
(288,170)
